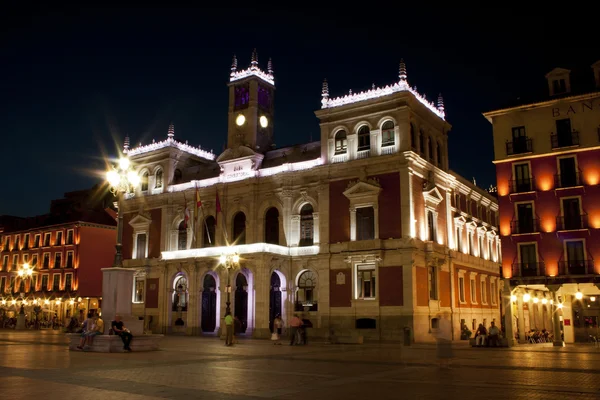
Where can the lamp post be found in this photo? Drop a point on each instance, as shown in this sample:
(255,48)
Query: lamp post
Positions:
(122,180)
(229,261)
(25,272)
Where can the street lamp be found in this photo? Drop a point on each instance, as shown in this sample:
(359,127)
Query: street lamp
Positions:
(229,261)
(122,180)
(25,272)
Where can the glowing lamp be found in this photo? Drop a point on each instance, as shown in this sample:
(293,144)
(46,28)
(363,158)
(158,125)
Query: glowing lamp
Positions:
(14,302)
(124,163)
(579,295)
(72,302)
(536,300)
(236,258)
(559,306)
(222,259)
(240,120)
(544,301)
(113,178)
(513,298)
(133,178)
(526,297)
(593,298)
(264,122)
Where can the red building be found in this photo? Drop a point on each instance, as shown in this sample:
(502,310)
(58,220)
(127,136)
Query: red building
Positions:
(66,250)
(547,156)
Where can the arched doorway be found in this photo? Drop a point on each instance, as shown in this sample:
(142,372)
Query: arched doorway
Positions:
(241,301)
(274,299)
(209,304)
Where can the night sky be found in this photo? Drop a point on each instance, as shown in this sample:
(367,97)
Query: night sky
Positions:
(73,81)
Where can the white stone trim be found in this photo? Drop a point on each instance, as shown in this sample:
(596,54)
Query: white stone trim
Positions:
(141,226)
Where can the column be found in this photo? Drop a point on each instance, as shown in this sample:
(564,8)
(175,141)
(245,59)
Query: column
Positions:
(262,283)
(352,224)
(556,313)
(316,228)
(521,317)
(507,306)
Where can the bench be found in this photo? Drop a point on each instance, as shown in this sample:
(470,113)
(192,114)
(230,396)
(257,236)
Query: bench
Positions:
(113,343)
(502,342)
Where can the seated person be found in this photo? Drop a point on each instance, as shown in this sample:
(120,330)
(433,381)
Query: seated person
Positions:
(494,335)
(86,324)
(97,329)
(119,329)
(480,335)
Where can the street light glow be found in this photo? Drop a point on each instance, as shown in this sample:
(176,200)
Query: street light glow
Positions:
(112,177)
(124,163)
(579,295)
(236,258)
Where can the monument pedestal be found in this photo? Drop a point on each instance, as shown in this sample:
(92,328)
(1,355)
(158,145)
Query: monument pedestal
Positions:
(117,291)
(20,322)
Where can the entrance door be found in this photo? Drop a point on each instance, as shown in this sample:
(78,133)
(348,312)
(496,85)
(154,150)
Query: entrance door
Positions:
(274,299)
(209,304)
(241,302)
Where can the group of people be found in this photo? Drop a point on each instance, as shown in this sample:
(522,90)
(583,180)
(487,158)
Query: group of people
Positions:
(94,326)
(298,332)
(487,337)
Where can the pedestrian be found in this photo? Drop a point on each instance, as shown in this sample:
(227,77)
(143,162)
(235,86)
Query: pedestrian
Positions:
(277,328)
(228,329)
(295,324)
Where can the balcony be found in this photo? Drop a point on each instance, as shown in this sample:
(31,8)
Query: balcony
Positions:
(520,227)
(562,181)
(576,267)
(564,139)
(572,223)
(524,270)
(522,185)
(519,146)
(303,306)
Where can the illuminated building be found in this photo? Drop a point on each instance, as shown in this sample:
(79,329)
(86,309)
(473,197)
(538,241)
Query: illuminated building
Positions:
(66,249)
(547,156)
(357,231)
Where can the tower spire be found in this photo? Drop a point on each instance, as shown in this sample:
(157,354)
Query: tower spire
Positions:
(270,66)
(171,133)
(234,64)
(324,93)
(126,145)
(440,103)
(402,72)
(254,61)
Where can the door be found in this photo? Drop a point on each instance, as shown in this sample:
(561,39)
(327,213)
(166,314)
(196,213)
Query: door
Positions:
(525,218)
(528,259)
(241,302)
(568,172)
(571,214)
(274,299)
(209,304)
(576,258)
(522,178)
(563,132)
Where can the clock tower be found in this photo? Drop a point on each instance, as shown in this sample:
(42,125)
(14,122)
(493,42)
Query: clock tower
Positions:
(251,94)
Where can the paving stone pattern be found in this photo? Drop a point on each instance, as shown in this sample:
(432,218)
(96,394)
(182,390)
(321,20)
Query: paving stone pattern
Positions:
(36,364)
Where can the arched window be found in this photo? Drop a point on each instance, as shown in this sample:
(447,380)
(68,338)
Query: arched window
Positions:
(180,294)
(306,294)
(208,232)
(341,142)
(422,142)
(364,138)
(272,226)
(177,176)
(158,182)
(430,149)
(439,155)
(239,228)
(145,181)
(306,226)
(388,137)
(182,236)
(413,137)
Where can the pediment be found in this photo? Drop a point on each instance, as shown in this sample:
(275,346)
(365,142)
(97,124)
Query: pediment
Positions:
(236,153)
(362,189)
(139,220)
(433,196)
(557,72)
(460,220)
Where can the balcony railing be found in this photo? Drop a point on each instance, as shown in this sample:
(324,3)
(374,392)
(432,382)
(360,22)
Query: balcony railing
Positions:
(573,222)
(523,270)
(576,267)
(519,146)
(568,180)
(302,306)
(522,185)
(525,226)
(564,139)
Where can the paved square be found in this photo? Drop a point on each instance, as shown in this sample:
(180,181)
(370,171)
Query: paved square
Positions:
(38,364)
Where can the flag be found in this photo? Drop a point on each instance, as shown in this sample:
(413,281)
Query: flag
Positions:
(218,207)
(198,201)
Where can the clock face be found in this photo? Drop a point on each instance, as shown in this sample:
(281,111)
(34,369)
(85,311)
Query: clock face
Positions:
(264,121)
(240,120)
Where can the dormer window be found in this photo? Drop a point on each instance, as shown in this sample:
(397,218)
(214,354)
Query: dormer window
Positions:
(559,81)
(559,86)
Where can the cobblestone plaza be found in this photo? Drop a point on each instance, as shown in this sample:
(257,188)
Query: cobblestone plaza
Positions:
(39,365)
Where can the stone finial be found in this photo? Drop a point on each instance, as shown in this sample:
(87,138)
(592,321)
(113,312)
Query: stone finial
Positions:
(126,145)
(171,132)
(325,90)
(270,67)
(234,64)
(373,86)
(402,72)
(440,103)
(254,60)
(350,92)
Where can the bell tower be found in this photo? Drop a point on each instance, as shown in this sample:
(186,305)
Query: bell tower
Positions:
(251,95)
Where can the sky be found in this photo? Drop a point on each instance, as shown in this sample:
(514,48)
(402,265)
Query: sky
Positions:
(74,82)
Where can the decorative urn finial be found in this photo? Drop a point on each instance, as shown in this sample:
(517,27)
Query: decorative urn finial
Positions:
(402,72)
(171,133)
(440,103)
(234,64)
(126,145)
(254,61)
(270,67)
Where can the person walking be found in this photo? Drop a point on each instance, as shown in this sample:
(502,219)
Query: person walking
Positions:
(228,330)
(295,324)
